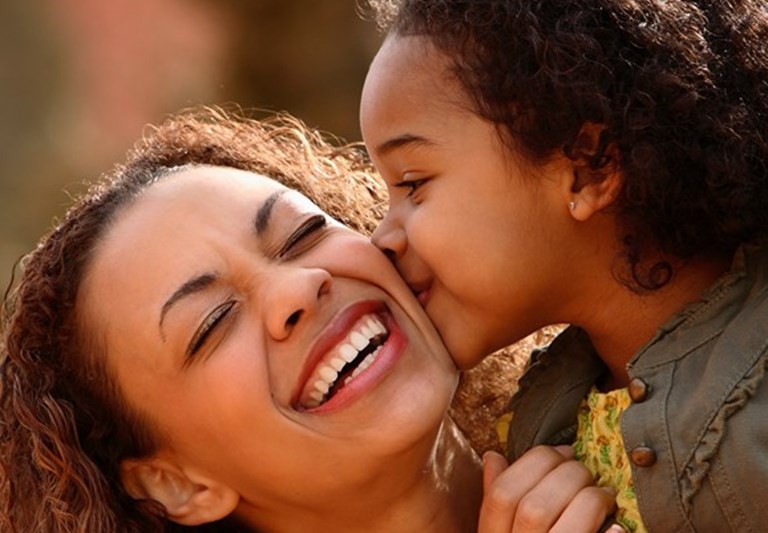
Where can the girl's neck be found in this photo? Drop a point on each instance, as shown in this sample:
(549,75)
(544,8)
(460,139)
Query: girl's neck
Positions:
(622,322)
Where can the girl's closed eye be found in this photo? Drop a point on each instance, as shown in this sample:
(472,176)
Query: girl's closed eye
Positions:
(309,228)
(217,319)
(411,185)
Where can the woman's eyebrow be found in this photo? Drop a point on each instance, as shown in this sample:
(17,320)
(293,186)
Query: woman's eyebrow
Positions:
(203,281)
(261,222)
(189,287)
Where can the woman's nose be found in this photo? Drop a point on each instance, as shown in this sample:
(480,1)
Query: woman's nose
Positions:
(293,296)
(390,238)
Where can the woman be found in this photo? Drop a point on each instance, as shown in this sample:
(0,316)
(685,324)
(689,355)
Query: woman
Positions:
(198,343)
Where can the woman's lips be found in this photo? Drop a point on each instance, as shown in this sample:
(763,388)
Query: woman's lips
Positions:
(345,361)
(388,355)
(359,345)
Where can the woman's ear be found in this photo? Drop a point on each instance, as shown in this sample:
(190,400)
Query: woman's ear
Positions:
(189,498)
(596,172)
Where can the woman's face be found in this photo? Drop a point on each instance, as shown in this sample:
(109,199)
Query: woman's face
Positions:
(274,349)
(479,234)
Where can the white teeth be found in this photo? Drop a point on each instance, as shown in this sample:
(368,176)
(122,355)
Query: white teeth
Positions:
(366,329)
(322,386)
(358,341)
(328,374)
(317,396)
(368,361)
(376,326)
(347,352)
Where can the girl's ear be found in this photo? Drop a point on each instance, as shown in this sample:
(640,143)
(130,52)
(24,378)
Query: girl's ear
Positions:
(596,172)
(189,498)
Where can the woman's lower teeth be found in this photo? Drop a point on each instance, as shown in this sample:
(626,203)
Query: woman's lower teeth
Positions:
(321,397)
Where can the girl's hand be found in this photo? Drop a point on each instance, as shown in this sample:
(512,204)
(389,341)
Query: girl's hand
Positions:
(546,490)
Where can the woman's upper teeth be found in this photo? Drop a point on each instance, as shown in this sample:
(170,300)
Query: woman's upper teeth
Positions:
(364,331)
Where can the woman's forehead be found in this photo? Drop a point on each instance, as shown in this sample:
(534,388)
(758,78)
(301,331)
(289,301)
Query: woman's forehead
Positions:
(194,180)
(213,183)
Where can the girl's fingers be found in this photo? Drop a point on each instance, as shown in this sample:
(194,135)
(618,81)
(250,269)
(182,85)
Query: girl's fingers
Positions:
(493,465)
(587,511)
(506,487)
(543,506)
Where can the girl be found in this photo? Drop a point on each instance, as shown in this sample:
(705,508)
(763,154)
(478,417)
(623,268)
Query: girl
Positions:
(602,164)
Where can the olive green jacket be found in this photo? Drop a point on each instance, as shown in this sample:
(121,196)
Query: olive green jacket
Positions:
(697,430)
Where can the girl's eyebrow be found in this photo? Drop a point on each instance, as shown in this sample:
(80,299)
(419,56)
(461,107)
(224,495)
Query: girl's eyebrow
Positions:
(402,141)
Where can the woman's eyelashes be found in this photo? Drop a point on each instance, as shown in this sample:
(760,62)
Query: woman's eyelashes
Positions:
(308,228)
(214,321)
(296,243)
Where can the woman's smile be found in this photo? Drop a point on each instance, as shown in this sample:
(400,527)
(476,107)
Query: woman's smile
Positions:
(363,335)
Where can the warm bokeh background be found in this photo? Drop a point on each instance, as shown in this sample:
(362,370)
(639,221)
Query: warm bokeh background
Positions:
(80,78)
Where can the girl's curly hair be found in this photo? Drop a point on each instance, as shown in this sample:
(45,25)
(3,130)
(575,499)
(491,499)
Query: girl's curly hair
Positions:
(63,426)
(680,86)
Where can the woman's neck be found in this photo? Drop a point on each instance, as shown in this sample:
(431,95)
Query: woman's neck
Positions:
(437,492)
(456,481)
(446,499)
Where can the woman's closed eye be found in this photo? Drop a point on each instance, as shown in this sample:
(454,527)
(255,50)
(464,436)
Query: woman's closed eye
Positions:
(309,228)
(217,319)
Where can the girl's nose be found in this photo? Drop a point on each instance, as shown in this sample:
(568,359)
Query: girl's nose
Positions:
(293,296)
(390,238)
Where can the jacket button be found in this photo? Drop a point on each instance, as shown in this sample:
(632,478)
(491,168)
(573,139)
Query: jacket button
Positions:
(638,390)
(643,456)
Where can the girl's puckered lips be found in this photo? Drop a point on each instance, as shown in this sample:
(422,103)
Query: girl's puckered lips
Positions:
(421,290)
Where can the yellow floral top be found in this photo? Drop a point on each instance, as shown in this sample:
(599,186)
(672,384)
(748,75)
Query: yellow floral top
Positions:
(600,447)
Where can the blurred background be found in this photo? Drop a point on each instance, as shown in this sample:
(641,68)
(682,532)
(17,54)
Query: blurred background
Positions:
(79,79)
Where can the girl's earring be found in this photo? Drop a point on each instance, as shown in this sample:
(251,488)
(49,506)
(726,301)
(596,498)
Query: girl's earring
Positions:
(572,205)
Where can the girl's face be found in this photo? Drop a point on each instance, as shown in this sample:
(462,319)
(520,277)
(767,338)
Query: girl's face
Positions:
(275,350)
(479,234)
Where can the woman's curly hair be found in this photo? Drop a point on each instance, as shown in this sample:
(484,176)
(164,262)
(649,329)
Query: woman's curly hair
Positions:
(680,86)
(63,426)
